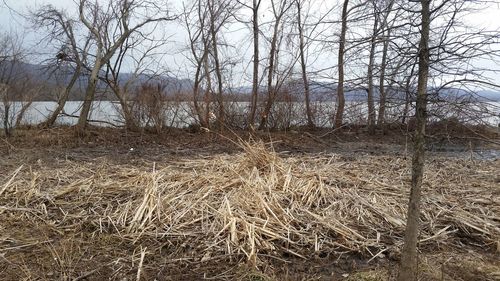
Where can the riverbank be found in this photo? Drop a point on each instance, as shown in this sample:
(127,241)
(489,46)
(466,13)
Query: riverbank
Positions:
(280,206)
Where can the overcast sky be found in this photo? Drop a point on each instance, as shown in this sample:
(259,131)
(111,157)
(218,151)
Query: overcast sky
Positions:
(240,37)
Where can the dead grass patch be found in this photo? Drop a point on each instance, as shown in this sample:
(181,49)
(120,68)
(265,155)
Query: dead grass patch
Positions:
(248,207)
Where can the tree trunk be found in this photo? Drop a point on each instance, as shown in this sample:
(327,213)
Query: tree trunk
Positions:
(406,109)
(218,70)
(382,91)
(20,115)
(340,87)
(62,100)
(409,259)
(383,97)
(371,102)
(130,122)
(6,123)
(90,93)
(208,91)
(270,89)
(310,118)
(196,89)
(255,81)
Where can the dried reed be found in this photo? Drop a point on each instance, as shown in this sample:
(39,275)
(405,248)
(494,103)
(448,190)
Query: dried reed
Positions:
(257,203)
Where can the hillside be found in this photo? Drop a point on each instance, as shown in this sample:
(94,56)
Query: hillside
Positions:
(54,76)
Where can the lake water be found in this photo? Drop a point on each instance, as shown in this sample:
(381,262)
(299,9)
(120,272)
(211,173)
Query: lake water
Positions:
(180,114)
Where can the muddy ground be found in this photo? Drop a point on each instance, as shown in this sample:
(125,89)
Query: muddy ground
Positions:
(37,249)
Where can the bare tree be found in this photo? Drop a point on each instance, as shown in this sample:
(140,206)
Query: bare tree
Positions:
(303,65)
(215,10)
(4,92)
(140,52)
(10,56)
(408,266)
(340,86)
(256,62)
(386,27)
(204,21)
(17,88)
(110,27)
(71,56)
(199,50)
(279,11)
(371,62)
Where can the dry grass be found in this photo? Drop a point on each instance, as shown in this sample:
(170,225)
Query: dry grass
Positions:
(252,206)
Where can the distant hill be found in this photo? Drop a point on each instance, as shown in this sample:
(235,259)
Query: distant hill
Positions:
(489,95)
(324,91)
(54,76)
(320,91)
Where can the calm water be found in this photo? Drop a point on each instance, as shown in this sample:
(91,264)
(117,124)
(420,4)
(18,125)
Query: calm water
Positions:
(180,114)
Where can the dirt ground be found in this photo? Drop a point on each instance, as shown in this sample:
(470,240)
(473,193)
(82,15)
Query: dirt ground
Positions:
(53,226)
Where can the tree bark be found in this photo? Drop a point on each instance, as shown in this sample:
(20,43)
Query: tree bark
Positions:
(406,109)
(382,90)
(196,89)
(6,123)
(208,91)
(270,89)
(20,116)
(340,87)
(6,106)
(130,122)
(90,92)
(255,80)
(218,70)
(62,100)
(383,96)
(310,118)
(371,102)
(409,259)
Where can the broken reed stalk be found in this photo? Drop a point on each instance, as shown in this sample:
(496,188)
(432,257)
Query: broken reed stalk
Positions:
(7,184)
(141,261)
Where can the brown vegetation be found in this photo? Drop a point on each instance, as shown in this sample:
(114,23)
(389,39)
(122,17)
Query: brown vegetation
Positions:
(178,210)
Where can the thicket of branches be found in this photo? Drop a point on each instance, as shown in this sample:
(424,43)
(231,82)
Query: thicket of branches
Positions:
(263,64)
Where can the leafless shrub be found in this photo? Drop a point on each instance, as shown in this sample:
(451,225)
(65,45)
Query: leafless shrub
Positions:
(17,88)
(149,106)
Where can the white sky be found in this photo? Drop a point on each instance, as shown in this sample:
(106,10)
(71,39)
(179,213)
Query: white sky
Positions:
(239,36)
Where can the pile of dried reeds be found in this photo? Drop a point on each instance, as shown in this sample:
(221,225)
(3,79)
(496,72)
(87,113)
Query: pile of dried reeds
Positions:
(258,203)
